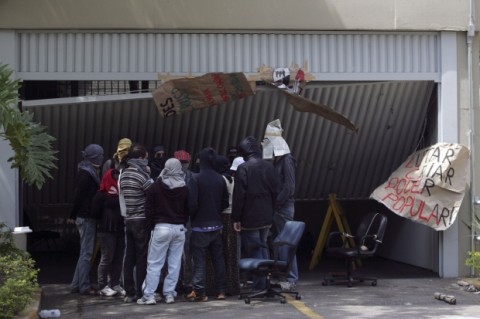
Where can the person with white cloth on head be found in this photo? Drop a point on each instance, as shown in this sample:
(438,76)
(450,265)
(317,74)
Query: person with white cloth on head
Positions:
(275,148)
(166,211)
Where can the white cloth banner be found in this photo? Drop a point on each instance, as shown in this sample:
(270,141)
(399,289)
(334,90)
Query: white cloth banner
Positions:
(429,186)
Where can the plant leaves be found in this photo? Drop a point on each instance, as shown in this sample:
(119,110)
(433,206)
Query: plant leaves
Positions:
(33,155)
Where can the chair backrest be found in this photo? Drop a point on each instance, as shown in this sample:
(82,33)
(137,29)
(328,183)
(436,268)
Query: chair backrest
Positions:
(370,231)
(291,234)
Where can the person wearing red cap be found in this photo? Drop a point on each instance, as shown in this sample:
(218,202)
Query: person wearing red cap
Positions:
(185,159)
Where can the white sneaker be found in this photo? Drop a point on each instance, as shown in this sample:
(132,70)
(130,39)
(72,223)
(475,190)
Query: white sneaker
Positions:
(108,292)
(288,286)
(169,299)
(120,290)
(150,300)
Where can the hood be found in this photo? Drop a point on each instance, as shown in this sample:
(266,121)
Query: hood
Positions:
(250,147)
(207,158)
(222,165)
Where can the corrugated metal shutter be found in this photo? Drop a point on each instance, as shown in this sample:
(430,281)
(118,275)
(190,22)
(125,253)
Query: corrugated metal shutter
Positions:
(391,116)
(50,55)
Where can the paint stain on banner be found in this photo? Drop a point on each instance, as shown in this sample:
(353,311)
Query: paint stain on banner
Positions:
(187,94)
(429,186)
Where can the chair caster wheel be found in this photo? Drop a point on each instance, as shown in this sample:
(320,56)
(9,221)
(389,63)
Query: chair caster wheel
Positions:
(298,297)
(247,301)
(374,283)
(283,300)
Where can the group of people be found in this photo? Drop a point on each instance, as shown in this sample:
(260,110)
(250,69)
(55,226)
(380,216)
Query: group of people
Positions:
(162,224)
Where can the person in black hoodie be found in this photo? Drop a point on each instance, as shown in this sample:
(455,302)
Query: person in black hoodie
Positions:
(86,186)
(253,201)
(157,163)
(111,235)
(208,197)
(166,211)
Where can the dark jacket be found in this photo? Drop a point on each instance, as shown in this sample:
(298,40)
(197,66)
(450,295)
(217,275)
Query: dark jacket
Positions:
(85,190)
(106,208)
(165,205)
(208,194)
(156,166)
(256,188)
(285,168)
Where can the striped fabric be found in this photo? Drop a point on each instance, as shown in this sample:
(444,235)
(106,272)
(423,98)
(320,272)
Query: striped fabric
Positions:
(134,183)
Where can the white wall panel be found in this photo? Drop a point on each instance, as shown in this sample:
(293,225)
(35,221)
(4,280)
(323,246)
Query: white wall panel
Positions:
(126,56)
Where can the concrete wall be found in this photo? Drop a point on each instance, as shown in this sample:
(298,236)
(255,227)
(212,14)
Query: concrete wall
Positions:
(232,14)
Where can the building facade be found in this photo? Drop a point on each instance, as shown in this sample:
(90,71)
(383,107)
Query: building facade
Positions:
(406,72)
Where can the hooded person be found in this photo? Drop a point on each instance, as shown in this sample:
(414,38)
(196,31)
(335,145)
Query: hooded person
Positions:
(276,149)
(253,202)
(166,211)
(115,162)
(111,235)
(87,183)
(208,197)
(157,163)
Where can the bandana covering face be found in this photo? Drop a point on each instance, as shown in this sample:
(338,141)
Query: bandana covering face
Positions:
(122,148)
(140,163)
(109,184)
(172,175)
(92,156)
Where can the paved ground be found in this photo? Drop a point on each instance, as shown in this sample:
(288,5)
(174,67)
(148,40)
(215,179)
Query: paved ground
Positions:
(402,292)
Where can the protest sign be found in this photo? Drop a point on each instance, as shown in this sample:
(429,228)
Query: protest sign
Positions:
(184,95)
(429,186)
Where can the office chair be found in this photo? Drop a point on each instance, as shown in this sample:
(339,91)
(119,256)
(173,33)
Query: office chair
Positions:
(284,250)
(367,239)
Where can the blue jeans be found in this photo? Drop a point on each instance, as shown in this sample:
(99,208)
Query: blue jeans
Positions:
(201,242)
(167,241)
(254,245)
(81,278)
(137,235)
(112,246)
(280,217)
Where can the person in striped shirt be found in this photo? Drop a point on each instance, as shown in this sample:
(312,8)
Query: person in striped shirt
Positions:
(134,182)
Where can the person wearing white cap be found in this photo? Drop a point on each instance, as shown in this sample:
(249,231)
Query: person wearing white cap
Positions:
(276,148)
(236,162)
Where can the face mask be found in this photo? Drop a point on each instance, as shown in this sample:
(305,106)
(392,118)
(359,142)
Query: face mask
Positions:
(97,161)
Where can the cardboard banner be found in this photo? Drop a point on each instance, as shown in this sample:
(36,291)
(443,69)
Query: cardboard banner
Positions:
(302,104)
(184,95)
(429,186)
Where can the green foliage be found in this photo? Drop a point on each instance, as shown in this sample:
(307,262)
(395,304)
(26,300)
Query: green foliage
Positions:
(18,276)
(474,260)
(34,155)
